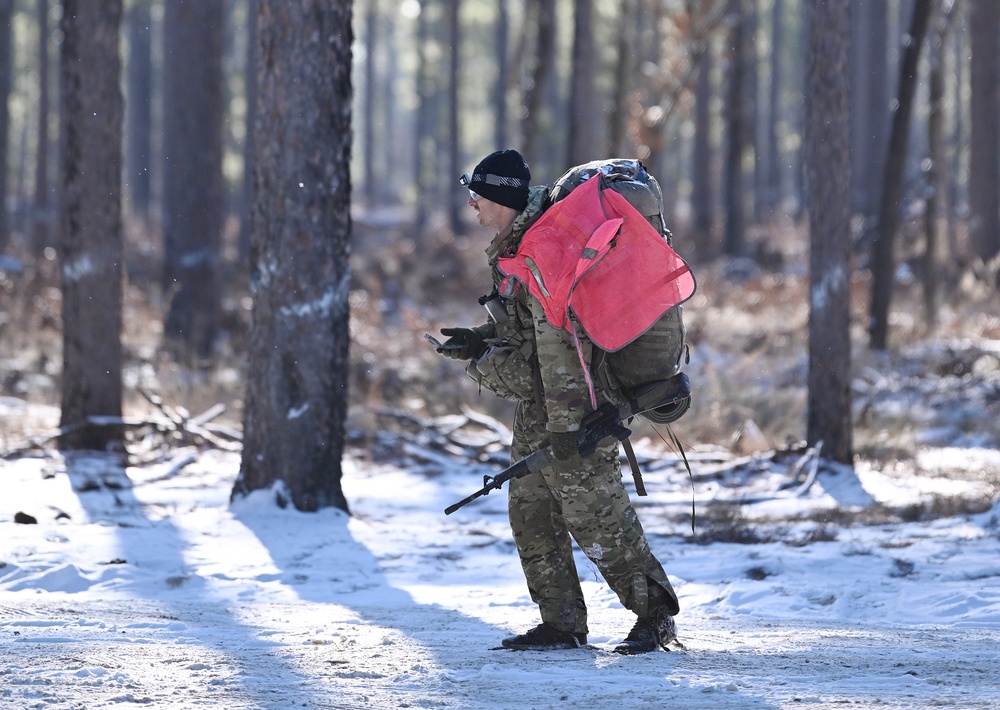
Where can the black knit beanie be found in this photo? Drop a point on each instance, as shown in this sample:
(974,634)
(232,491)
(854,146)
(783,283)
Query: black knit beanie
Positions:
(502,177)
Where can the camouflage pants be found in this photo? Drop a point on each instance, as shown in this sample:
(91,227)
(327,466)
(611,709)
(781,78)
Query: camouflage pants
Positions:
(582,500)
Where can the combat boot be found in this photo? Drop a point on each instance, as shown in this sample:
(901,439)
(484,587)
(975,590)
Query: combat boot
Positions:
(544,637)
(656,630)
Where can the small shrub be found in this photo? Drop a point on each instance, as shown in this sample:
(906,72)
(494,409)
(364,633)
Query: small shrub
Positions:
(726,523)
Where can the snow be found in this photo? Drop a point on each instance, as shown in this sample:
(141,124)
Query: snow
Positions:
(148,587)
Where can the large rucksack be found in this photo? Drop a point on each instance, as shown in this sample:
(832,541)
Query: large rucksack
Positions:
(657,353)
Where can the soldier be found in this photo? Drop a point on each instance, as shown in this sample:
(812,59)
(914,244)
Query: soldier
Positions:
(519,355)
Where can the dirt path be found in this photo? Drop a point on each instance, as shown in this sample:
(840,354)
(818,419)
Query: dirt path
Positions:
(62,653)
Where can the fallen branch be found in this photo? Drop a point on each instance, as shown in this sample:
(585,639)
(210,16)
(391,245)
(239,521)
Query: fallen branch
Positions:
(175,427)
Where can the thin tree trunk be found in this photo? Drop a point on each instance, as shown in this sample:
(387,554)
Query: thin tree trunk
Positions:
(194,189)
(735,131)
(582,139)
(6,39)
(500,128)
(425,124)
(702,193)
(139,109)
(797,111)
(882,257)
(456,198)
(250,139)
(41,204)
(538,78)
(984,114)
(369,116)
(624,68)
(21,215)
(933,173)
(772,154)
(870,113)
(957,249)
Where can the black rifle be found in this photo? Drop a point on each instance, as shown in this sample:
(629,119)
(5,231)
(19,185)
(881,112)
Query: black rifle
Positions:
(603,422)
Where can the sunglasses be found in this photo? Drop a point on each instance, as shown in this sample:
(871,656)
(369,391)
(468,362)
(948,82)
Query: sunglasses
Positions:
(465,180)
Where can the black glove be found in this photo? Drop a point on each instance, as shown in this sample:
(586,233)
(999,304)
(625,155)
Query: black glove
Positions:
(565,444)
(464,344)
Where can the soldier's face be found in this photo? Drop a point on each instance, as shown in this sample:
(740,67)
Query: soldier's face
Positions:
(490,214)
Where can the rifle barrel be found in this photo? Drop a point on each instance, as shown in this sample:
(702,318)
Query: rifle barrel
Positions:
(535,461)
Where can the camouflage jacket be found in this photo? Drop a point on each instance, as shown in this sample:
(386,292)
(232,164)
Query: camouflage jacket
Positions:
(558,370)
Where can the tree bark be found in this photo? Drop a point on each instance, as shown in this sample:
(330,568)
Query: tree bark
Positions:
(828,173)
(40,232)
(455,198)
(296,403)
(424,182)
(582,140)
(369,116)
(869,107)
(91,237)
(958,135)
(933,174)
(536,82)
(139,109)
(735,131)
(6,40)
(702,190)
(500,127)
(984,116)
(194,193)
(770,194)
(883,264)
(628,48)
(250,136)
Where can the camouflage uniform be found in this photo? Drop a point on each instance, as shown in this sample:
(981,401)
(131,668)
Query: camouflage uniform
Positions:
(581,499)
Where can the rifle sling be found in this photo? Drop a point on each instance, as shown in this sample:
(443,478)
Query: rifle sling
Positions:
(640,487)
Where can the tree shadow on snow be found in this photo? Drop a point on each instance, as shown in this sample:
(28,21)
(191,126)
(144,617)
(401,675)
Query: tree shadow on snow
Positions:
(154,568)
(324,563)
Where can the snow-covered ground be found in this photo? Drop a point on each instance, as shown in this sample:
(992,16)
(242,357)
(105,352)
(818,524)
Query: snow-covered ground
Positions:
(147,587)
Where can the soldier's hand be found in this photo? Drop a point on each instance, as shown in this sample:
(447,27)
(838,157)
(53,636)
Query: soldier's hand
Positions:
(462,344)
(564,444)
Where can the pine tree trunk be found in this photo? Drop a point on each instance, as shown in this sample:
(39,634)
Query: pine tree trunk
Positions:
(771,193)
(40,232)
(369,117)
(6,39)
(934,175)
(139,109)
(423,179)
(702,192)
(828,173)
(883,265)
(250,139)
(536,84)
(455,198)
(500,127)
(735,131)
(624,67)
(91,236)
(583,143)
(194,194)
(296,403)
(869,107)
(984,115)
